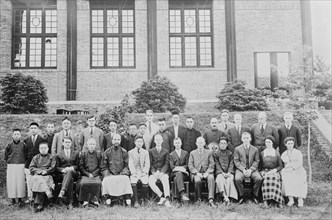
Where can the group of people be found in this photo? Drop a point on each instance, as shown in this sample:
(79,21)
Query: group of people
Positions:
(116,165)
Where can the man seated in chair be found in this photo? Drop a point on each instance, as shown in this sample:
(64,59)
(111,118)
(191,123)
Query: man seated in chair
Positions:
(139,166)
(67,170)
(201,166)
(159,158)
(246,161)
(115,170)
(178,163)
(41,182)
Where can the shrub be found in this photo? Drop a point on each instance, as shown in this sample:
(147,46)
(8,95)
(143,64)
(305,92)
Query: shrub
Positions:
(117,113)
(23,94)
(158,94)
(236,97)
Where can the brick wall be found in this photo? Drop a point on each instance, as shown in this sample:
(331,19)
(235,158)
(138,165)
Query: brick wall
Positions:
(266,26)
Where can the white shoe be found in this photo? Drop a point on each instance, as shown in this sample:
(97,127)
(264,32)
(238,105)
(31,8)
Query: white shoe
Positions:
(128,202)
(108,201)
(161,201)
(86,203)
(168,204)
(300,202)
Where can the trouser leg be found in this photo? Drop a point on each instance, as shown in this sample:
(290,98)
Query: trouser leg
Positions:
(211,185)
(239,176)
(165,181)
(258,180)
(153,185)
(198,187)
(134,187)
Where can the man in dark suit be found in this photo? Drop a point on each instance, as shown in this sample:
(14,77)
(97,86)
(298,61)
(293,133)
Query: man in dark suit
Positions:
(190,136)
(167,136)
(289,130)
(201,166)
(214,134)
(159,159)
(66,132)
(131,136)
(246,161)
(176,129)
(178,163)
(234,133)
(49,136)
(32,143)
(109,136)
(67,170)
(261,130)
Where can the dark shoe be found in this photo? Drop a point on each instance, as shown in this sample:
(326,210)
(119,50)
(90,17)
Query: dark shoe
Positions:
(241,201)
(255,201)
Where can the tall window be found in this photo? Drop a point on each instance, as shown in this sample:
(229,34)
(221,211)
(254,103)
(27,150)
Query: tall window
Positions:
(271,69)
(112,34)
(34,34)
(190,33)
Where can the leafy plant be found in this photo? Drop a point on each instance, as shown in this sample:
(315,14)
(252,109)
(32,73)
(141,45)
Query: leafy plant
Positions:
(23,94)
(236,97)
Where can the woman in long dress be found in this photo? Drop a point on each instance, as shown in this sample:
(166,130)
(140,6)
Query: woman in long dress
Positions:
(294,176)
(90,184)
(271,166)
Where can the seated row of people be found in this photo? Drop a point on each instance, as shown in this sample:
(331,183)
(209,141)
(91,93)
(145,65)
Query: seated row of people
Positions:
(121,171)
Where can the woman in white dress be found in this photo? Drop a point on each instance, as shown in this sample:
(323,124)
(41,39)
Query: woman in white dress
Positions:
(294,176)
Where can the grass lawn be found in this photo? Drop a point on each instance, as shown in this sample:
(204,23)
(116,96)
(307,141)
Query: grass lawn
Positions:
(317,206)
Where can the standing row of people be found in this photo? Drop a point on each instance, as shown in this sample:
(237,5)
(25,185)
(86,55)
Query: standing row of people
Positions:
(65,149)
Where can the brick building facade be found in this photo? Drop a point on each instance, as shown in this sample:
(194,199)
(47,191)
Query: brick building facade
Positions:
(100,50)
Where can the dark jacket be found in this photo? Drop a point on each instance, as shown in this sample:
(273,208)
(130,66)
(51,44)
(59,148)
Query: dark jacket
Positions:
(159,161)
(33,149)
(110,166)
(86,168)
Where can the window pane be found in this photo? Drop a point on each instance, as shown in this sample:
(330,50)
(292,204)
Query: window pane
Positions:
(35,21)
(205,51)
(189,21)
(127,21)
(175,21)
(283,68)
(263,70)
(51,21)
(97,51)
(35,52)
(128,51)
(112,21)
(19,51)
(176,52)
(113,51)
(50,51)
(204,21)
(190,51)
(20,21)
(97,21)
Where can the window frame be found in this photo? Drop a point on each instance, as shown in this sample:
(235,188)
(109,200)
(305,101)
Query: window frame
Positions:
(109,6)
(274,76)
(195,6)
(28,7)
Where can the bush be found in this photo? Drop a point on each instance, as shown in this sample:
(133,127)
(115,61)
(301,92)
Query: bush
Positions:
(23,95)
(117,113)
(158,94)
(235,97)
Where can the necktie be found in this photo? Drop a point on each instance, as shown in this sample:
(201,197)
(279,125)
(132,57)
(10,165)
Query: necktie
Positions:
(238,129)
(262,129)
(91,131)
(150,128)
(33,139)
(67,133)
(225,126)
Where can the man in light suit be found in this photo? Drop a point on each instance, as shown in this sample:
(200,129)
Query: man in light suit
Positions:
(176,129)
(289,130)
(151,129)
(178,163)
(32,143)
(159,158)
(201,166)
(139,166)
(92,132)
(67,170)
(235,133)
(224,124)
(246,161)
(261,130)
(66,132)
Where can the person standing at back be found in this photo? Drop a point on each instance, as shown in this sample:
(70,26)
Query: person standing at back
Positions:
(151,128)
(190,136)
(176,129)
(91,132)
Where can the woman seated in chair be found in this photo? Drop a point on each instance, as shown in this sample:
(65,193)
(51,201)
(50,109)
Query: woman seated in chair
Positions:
(294,176)
(90,184)
(270,167)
